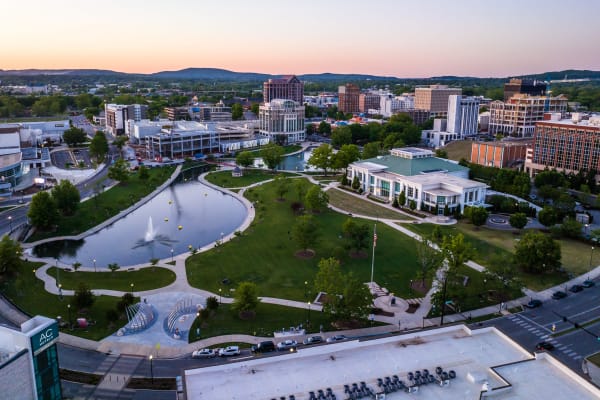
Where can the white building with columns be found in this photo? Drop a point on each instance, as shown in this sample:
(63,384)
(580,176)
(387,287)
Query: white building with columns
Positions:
(281,118)
(432,183)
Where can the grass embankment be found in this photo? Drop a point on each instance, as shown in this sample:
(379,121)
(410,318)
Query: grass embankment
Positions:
(495,247)
(459,149)
(352,204)
(251,176)
(28,293)
(107,204)
(143,279)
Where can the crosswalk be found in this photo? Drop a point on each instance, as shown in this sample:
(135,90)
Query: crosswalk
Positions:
(544,334)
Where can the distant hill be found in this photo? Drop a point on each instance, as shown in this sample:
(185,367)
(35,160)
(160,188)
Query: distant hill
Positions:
(74,72)
(328,76)
(209,74)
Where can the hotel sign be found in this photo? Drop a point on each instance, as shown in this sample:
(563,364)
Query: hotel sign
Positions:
(43,339)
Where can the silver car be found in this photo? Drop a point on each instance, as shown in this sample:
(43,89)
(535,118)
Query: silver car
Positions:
(229,351)
(204,353)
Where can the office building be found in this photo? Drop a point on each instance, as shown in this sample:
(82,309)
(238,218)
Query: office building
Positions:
(390,104)
(118,114)
(218,112)
(287,87)
(177,113)
(500,154)
(434,99)
(462,115)
(322,100)
(369,103)
(29,366)
(518,115)
(524,86)
(566,145)
(282,121)
(348,98)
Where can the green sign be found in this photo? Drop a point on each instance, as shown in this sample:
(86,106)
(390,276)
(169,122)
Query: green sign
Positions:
(46,336)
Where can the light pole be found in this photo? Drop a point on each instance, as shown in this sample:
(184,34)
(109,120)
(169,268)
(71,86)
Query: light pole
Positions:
(171,255)
(132,289)
(94,260)
(57,272)
(10,222)
(151,370)
(309,314)
(219,295)
(306,289)
(69,310)
(60,296)
(591,255)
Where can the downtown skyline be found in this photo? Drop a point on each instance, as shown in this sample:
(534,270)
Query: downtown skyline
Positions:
(383,37)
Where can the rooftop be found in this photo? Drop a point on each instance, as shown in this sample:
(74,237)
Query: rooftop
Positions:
(410,167)
(478,357)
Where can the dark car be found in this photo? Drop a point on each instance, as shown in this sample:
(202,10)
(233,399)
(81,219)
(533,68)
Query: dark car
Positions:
(588,283)
(559,295)
(535,303)
(544,346)
(264,347)
(576,288)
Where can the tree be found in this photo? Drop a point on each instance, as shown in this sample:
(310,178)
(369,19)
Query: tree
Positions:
(301,187)
(305,232)
(316,199)
(10,255)
(328,280)
(120,142)
(66,197)
(99,146)
(478,215)
(518,220)
(346,155)
(76,265)
(428,259)
(212,303)
(340,137)
(245,159)
(74,136)
(324,128)
(537,253)
(282,186)
(113,267)
(547,216)
(83,297)
(571,228)
(456,251)
(245,299)
(322,157)
(355,183)
(356,234)
(143,173)
(271,155)
(43,212)
(237,111)
(119,171)
(441,153)
(550,178)
(255,108)
(402,199)
(371,150)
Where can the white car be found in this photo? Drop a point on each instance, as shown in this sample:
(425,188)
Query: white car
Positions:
(204,353)
(336,338)
(229,351)
(287,344)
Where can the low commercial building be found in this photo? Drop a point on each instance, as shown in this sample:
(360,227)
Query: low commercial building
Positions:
(500,154)
(432,183)
(29,366)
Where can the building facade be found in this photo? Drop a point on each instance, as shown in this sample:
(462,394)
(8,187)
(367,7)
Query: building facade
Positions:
(566,145)
(524,86)
(367,102)
(348,98)
(434,99)
(434,184)
(177,113)
(500,154)
(282,121)
(118,114)
(390,104)
(462,115)
(288,87)
(518,116)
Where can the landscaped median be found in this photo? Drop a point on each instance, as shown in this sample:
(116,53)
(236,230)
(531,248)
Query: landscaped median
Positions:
(356,205)
(142,279)
(250,176)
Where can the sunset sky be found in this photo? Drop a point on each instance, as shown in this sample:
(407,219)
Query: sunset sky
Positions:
(413,38)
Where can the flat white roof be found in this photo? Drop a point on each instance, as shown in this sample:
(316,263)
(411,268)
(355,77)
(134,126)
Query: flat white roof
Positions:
(443,178)
(369,166)
(471,354)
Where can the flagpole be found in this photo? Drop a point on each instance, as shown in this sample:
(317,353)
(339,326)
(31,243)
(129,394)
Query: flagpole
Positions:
(374,244)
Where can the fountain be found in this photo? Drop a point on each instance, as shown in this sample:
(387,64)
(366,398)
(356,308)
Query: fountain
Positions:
(150,231)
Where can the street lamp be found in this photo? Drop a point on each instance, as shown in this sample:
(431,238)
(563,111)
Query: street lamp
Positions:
(132,289)
(69,310)
(591,255)
(94,260)
(171,255)
(306,289)
(219,295)
(151,370)
(60,296)
(309,314)
(10,222)
(57,272)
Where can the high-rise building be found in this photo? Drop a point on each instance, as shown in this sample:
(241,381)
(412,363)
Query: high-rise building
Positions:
(348,98)
(287,87)
(524,86)
(282,121)
(368,101)
(118,114)
(462,115)
(517,116)
(434,98)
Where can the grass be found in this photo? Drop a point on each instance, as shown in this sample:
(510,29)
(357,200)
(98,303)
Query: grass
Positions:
(80,377)
(494,247)
(107,204)
(251,176)
(355,205)
(6,208)
(265,254)
(594,359)
(459,149)
(269,318)
(143,279)
(28,293)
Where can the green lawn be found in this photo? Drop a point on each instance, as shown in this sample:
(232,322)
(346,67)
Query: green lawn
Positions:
(98,209)
(459,149)
(28,293)
(224,178)
(264,254)
(345,201)
(143,279)
(269,318)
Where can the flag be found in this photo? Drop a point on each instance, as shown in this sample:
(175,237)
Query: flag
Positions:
(374,239)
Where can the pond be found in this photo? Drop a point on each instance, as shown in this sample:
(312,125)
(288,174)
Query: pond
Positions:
(291,162)
(186,213)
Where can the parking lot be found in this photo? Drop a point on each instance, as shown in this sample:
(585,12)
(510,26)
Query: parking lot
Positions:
(77,158)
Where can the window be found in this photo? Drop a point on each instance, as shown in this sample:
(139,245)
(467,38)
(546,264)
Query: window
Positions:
(410,192)
(384,189)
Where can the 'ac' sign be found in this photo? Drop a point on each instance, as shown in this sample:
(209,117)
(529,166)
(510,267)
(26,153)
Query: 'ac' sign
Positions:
(44,337)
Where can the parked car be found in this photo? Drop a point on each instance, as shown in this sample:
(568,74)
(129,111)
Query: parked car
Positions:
(336,338)
(313,339)
(544,346)
(535,303)
(576,288)
(559,295)
(264,347)
(229,351)
(588,283)
(287,344)
(204,353)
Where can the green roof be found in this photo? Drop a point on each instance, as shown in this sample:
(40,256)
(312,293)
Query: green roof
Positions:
(410,167)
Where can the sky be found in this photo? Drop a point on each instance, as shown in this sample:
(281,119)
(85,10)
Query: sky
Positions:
(401,38)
